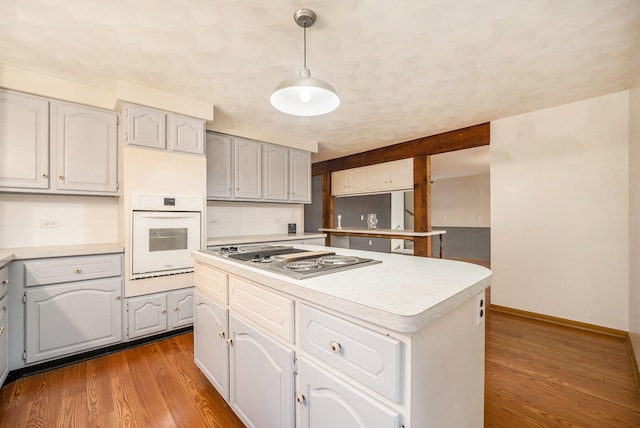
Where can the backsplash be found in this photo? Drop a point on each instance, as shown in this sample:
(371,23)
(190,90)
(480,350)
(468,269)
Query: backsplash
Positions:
(251,218)
(45,220)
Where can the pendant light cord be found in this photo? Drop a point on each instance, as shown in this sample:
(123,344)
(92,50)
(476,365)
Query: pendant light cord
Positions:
(305,46)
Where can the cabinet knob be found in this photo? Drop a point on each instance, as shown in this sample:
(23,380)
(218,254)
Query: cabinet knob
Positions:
(5,282)
(300,398)
(175,309)
(221,334)
(229,342)
(61,177)
(164,311)
(45,175)
(335,347)
(118,297)
(77,270)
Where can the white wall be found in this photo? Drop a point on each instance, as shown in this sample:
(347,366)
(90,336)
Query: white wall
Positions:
(461,202)
(81,220)
(226,219)
(559,211)
(634,219)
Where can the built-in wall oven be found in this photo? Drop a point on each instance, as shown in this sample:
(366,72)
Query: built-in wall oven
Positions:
(165,229)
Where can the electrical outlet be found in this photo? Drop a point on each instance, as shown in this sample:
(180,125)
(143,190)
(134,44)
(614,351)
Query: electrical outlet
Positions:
(480,308)
(362,217)
(48,223)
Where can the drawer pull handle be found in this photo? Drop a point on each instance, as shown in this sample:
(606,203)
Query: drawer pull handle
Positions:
(1,330)
(77,270)
(221,334)
(300,398)
(335,347)
(5,282)
(229,342)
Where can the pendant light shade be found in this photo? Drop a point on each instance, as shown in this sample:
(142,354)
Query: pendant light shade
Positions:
(306,95)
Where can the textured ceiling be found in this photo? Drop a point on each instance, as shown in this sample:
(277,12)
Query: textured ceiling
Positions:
(403,69)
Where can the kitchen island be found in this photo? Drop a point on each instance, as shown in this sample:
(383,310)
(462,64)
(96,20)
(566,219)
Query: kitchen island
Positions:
(394,344)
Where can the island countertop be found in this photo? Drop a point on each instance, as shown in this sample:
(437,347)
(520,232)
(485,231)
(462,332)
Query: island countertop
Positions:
(402,293)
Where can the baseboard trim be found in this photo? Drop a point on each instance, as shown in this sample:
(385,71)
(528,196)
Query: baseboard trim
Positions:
(578,325)
(561,321)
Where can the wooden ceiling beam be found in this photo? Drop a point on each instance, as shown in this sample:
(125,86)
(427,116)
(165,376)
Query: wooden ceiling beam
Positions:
(465,138)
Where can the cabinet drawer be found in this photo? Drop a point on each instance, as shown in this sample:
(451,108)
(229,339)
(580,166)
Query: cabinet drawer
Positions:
(212,282)
(67,269)
(371,358)
(4,281)
(270,311)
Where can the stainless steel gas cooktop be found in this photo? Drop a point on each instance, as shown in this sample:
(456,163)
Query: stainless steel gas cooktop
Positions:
(293,262)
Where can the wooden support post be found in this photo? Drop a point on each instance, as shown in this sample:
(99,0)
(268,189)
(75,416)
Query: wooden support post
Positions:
(422,204)
(327,205)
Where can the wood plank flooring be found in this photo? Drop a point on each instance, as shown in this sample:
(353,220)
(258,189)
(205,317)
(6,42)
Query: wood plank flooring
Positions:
(537,375)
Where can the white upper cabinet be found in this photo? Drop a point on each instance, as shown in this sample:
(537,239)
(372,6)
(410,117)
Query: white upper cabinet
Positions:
(349,181)
(247,169)
(24,141)
(185,134)
(219,166)
(85,141)
(300,180)
(276,172)
(379,178)
(145,127)
(76,145)
(243,169)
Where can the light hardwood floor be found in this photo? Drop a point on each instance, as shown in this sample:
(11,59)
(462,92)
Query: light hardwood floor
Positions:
(537,375)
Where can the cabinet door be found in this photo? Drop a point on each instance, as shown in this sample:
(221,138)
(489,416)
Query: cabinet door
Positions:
(261,378)
(401,174)
(185,134)
(147,315)
(247,169)
(211,352)
(181,307)
(24,141)
(85,141)
(145,127)
(4,339)
(377,177)
(327,402)
(70,318)
(300,181)
(276,173)
(357,180)
(339,183)
(218,166)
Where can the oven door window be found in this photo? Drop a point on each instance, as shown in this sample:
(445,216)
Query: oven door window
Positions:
(168,239)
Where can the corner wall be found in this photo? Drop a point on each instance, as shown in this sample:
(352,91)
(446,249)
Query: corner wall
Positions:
(560,210)
(634,220)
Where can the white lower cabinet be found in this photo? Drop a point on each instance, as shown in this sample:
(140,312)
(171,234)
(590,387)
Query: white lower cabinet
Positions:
(70,318)
(211,351)
(4,339)
(261,377)
(148,314)
(324,401)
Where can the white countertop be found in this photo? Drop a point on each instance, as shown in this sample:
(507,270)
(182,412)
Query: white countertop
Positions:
(250,239)
(401,293)
(395,232)
(9,254)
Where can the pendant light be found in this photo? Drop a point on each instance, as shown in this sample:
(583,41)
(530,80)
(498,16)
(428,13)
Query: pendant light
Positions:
(306,95)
